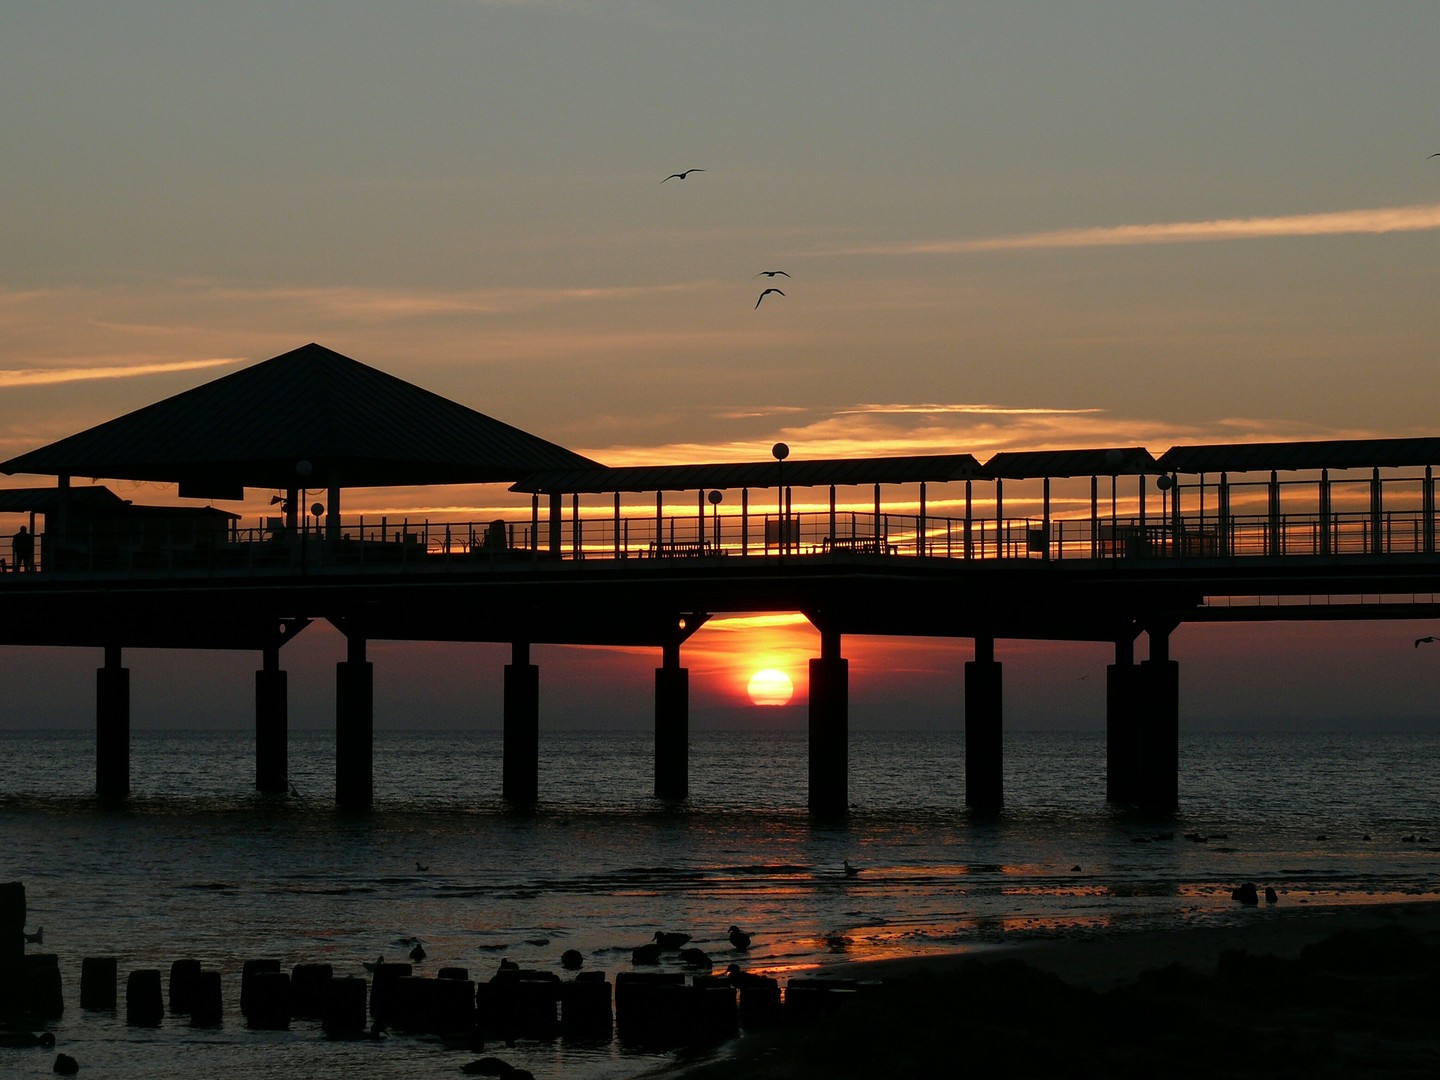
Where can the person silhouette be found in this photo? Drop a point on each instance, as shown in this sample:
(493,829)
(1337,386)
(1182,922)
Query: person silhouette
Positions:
(23,546)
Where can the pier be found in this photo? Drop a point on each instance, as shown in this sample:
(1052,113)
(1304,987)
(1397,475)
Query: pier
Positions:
(1118,545)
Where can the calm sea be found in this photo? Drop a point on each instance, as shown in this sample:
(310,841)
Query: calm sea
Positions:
(198,865)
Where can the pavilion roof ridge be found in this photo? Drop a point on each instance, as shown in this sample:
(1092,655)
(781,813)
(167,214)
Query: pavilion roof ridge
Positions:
(312,415)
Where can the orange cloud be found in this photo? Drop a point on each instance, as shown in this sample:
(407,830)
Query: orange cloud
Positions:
(1337,223)
(49,376)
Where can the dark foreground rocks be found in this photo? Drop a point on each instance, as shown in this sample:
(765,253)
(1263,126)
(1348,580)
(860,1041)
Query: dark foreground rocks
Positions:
(1360,1003)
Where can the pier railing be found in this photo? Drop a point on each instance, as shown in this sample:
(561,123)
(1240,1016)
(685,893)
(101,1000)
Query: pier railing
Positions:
(401,545)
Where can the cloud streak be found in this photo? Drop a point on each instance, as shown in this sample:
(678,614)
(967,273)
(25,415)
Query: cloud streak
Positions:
(50,376)
(1382,220)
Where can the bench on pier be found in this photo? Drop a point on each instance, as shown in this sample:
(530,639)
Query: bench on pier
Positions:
(864,545)
(667,549)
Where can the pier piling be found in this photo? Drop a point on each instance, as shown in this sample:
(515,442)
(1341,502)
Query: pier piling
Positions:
(272,761)
(520,770)
(984,730)
(672,727)
(829,728)
(1122,726)
(112,727)
(355,728)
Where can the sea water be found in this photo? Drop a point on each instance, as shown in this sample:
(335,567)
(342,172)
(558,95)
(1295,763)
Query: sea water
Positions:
(196,864)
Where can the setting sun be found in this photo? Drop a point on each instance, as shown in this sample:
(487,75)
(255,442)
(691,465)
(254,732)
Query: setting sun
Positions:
(771,687)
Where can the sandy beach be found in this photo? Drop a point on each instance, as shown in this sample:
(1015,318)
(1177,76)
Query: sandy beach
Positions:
(1300,991)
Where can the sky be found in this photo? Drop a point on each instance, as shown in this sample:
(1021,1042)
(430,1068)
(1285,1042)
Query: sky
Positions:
(1008,226)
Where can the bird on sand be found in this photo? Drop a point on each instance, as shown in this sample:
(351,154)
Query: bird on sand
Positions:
(1423,640)
(572,960)
(37,938)
(417,953)
(739,939)
(645,954)
(766,293)
(421,869)
(681,175)
(668,941)
(851,871)
(772,273)
(378,961)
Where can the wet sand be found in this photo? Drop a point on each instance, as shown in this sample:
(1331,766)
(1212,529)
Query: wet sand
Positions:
(1312,992)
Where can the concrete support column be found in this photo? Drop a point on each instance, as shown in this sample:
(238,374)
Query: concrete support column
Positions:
(520,770)
(272,756)
(112,727)
(984,731)
(1122,725)
(1159,727)
(672,726)
(355,728)
(829,728)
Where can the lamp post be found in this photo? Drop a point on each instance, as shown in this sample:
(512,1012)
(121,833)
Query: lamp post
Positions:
(1165,483)
(781,452)
(715,497)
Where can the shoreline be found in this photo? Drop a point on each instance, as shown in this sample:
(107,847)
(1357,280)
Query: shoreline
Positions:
(1048,979)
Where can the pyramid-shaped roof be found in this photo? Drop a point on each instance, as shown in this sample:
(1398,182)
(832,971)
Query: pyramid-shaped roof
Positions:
(307,415)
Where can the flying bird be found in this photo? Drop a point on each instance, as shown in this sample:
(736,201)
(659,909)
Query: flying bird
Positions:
(681,175)
(766,293)
(772,273)
(1423,640)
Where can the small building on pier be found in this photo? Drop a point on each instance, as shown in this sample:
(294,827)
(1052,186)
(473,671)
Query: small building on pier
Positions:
(106,532)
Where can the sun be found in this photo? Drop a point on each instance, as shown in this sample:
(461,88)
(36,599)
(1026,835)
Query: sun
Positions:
(771,687)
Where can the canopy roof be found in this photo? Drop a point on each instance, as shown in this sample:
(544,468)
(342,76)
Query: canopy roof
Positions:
(308,417)
(933,468)
(1314,455)
(1033,464)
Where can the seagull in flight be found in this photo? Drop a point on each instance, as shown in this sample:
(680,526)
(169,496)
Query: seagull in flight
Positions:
(772,273)
(766,293)
(681,175)
(1422,640)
